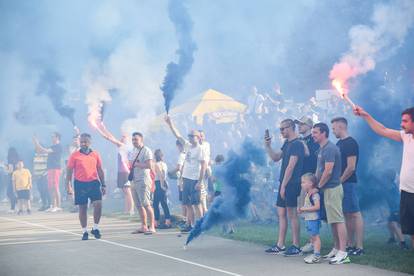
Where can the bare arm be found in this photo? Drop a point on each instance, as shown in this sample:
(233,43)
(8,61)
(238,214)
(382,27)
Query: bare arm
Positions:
(315,207)
(39,147)
(202,171)
(174,130)
(289,170)
(69,175)
(275,156)
(327,173)
(350,168)
(101,175)
(376,126)
(101,128)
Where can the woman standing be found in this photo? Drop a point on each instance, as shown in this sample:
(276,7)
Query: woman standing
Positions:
(160,194)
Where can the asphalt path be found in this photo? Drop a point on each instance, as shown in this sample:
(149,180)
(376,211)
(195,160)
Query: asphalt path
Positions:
(50,244)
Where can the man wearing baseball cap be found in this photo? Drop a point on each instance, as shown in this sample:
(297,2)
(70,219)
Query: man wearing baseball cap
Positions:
(305,126)
(194,169)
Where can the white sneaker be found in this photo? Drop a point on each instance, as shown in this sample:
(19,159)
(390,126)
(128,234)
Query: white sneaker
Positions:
(54,210)
(307,248)
(11,211)
(58,209)
(340,258)
(50,209)
(312,259)
(331,254)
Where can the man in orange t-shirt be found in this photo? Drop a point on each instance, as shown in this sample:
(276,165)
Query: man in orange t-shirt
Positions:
(89,183)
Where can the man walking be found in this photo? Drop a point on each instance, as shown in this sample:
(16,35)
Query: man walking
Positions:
(328,173)
(89,183)
(349,149)
(292,155)
(406,136)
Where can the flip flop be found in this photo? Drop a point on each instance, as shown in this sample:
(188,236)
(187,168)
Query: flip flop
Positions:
(139,231)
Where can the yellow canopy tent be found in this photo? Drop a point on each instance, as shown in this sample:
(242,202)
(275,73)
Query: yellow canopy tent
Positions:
(218,106)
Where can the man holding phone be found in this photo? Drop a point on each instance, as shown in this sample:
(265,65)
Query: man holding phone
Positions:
(292,155)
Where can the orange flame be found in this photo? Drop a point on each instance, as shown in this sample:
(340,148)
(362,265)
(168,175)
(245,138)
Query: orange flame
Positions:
(339,87)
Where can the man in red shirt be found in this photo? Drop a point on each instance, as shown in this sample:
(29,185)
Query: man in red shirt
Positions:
(89,183)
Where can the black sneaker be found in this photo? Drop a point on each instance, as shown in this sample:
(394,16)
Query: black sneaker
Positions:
(275,250)
(292,251)
(357,252)
(186,229)
(85,236)
(350,249)
(96,233)
(404,246)
(29,212)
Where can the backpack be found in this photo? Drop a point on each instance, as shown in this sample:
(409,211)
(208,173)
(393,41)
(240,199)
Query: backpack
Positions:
(322,210)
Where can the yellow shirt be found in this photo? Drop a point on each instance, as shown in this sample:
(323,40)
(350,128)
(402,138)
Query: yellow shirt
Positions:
(22,179)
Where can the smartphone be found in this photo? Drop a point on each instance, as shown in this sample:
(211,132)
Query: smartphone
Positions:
(267,134)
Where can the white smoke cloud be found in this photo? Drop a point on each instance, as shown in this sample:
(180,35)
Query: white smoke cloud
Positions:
(370,44)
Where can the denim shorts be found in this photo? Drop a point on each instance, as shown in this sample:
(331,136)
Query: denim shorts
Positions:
(312,227)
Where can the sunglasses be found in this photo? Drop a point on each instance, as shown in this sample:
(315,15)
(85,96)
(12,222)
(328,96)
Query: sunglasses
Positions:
(283,128)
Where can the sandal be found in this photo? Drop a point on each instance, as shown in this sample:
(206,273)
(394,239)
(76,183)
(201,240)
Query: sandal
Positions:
(139,231)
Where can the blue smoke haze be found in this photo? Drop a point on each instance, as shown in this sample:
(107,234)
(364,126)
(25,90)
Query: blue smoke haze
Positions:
(176,72)
(235,198)
(240,44)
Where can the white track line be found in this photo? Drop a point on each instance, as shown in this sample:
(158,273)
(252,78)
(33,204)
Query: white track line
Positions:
(32,242)
(127,246)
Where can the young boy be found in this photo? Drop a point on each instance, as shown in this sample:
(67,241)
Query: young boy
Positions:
(310,211)
(22,184)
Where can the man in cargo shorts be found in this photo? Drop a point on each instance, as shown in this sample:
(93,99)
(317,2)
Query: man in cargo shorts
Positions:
(328,172)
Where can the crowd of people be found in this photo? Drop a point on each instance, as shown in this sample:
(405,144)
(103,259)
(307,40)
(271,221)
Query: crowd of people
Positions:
(317,179)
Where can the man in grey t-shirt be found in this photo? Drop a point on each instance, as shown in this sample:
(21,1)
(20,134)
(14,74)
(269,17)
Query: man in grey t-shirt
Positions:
(328,173)
(141,162)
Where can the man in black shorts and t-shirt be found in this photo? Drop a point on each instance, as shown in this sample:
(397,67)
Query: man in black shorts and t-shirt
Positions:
(292,155)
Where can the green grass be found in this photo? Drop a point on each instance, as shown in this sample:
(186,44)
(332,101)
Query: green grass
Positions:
(378,253)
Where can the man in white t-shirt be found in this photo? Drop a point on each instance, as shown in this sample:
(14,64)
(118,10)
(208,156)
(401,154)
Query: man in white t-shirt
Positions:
(193,173)
(178,172)
(407,167)
(207,153)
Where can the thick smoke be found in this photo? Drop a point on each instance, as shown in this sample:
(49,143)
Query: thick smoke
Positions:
(390,24)
(233,202)
(176,72)
(51,84)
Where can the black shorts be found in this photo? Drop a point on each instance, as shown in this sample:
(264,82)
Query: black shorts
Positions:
(407,213)
(394,217)
(87,190)
(180,195)
(191,196)
(291,196)
(23,194)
